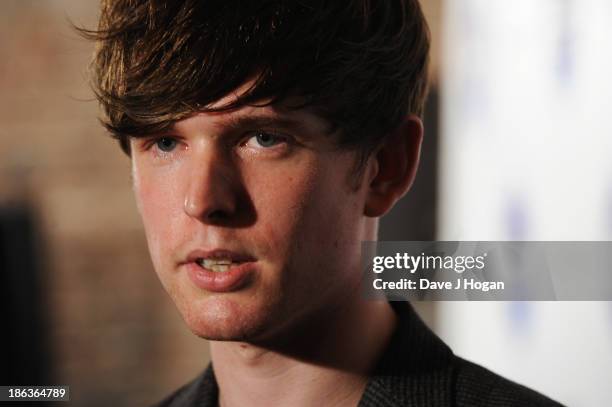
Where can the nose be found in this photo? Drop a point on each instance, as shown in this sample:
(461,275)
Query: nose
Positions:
(211,192)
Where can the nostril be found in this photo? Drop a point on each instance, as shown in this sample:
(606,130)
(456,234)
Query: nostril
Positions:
(217,215)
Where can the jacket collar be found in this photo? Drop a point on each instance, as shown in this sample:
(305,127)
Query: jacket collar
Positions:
(415,370)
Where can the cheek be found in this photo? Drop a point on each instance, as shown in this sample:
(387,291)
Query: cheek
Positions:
(157,201)
(331,229)
(280,204)
(308,214)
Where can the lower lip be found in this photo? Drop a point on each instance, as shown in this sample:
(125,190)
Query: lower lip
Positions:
(235,278)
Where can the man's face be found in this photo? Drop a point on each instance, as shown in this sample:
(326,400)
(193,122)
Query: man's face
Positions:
(265,189)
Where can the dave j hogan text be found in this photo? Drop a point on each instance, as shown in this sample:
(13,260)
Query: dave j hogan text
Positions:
(467,284)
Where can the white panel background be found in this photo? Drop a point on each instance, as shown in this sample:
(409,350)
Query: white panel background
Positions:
(526,154)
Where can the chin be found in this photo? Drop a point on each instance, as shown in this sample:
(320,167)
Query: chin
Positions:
(225,318)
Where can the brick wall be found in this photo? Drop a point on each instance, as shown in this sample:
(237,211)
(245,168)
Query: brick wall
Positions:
(116,339)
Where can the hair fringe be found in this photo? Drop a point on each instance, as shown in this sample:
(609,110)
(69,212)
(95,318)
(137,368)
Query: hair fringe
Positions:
(361,64)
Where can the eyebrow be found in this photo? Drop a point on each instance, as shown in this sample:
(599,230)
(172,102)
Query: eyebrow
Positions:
(242,122)
(299,125)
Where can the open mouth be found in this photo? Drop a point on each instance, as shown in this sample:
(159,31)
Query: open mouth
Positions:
(216,265)
(220,270)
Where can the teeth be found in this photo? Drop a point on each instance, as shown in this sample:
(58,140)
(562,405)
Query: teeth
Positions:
(216,265)
(218,268)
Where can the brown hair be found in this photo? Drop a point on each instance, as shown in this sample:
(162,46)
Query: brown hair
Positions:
(362,64)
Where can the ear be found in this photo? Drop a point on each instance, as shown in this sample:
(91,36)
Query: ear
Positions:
(393,166)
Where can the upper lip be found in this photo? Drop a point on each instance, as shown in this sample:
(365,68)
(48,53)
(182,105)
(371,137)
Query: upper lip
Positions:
(237,257)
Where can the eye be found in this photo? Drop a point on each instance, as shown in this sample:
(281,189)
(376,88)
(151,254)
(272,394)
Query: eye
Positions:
(166,144)
(265,140)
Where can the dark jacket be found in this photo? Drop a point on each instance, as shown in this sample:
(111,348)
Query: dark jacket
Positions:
(417,369)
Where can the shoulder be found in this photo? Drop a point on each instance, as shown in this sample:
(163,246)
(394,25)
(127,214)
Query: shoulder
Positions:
(419,369)
(202,391)
(477,386)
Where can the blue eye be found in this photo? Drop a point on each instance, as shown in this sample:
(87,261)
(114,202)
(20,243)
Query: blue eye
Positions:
(267,139)
(166,144)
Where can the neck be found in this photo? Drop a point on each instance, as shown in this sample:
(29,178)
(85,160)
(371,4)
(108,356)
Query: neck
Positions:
(326,362)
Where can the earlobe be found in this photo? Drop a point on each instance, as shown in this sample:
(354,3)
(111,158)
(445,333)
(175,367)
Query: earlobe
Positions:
(394,166)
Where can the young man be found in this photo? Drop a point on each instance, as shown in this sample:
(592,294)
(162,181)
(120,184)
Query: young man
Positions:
(266,139)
